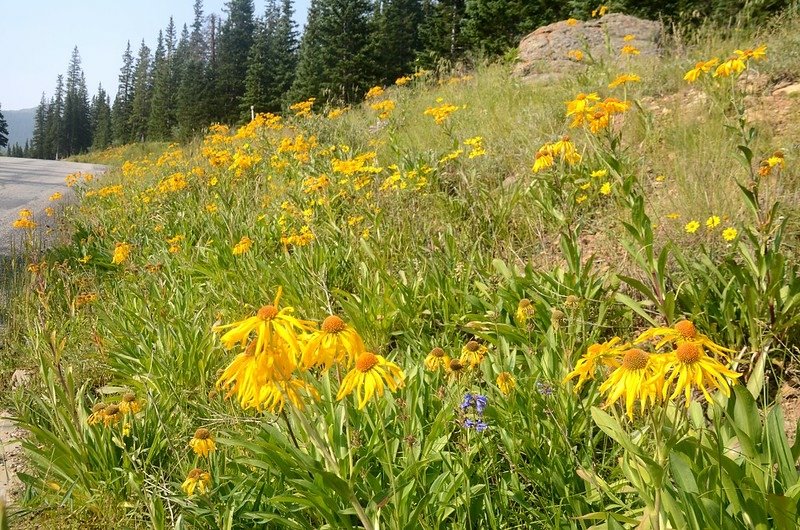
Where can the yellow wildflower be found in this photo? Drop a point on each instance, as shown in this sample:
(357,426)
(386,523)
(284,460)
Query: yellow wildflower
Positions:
(690,368)
(473,353)
(371,374)
(624,78)
(121,253)
(629,50)
(335,342)
(242,246)
(712,222)
(436,359)
(506,383)
(196,480)
(634,380)
(605,189)
(606,353)
(691,227)
(729,234)
(202,443)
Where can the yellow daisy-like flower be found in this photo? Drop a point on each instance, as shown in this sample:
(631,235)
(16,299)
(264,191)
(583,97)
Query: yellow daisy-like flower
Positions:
(623,79)
(370,376)
(605,189)
(335,342)
(121,253)
(733,66)
(129,404)
(202,443)
(473,353)
(703,67)
(729,234)
(273,328)
(629,50)
(196,480)
(525,310)
(56,196)
(691,227)
(506,383)
(455,368)
(681,333)
(111,415)
(97,415)
(543,161)
(712,222)
(599,173)
(581,104)
(436,359)
(690,368)
(606,353)
(633,380)
(576,55)
(242,246)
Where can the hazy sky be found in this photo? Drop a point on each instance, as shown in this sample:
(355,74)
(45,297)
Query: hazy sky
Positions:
(37,38)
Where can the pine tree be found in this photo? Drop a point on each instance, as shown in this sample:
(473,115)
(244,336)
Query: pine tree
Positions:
(235,40)
(286,46)
(55,122)
(260,70)
(494,26)
(101,120)
(192,94)
(77,128)
(38,143)
(160,122)
(441,32)
(142,92)
(336,61)
(3,129)
(396,37)
(121,111)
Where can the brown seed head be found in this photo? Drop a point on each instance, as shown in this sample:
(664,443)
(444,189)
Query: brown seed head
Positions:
(635,359)
(202,434)
(267,312)
(524,303)
(456,365)
(686,329)
(112,410)
(473,346)
(98,407)
(688,353)
(366,361)
(333,324)
(129,397)
(437,352)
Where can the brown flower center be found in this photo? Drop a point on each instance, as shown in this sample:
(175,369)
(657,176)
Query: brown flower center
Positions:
(635,359)
(98,407)
(437,352)
(366,361)
(267,312)
(112,410)
(473,346)
(686,329)
(455,365)
(333,324)
(202,434)
(688,353)
(524,303)
(195,473)
(129,397)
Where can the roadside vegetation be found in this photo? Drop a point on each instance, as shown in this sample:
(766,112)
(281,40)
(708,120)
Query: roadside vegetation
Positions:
(466,302)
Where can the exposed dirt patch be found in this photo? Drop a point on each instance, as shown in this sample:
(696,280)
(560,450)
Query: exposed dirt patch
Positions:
(10,458)
(790,402)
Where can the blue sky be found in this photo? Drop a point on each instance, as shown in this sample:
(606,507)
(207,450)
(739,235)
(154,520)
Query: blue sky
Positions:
(38,37)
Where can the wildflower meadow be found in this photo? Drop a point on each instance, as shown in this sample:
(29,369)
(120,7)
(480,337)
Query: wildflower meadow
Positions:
(467,302)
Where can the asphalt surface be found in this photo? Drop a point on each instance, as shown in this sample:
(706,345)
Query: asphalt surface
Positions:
(28,183)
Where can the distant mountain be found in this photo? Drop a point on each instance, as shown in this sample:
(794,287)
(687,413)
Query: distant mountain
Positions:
(20,125)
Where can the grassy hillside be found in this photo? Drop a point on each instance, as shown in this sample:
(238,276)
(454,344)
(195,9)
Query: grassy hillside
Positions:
(468,302)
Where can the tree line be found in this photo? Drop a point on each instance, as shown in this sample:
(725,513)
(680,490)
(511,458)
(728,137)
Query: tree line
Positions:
(219,67)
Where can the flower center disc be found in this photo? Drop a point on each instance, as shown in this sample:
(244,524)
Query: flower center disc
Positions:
(366,361)
(437,352)
(473,346)
(333,324)
(202,434)
(635,359)
(455,365)
(130,397)
(524,302)
(267,312)
(687,353)
(686,329)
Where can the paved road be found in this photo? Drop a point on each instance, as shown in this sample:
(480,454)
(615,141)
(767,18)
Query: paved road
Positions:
(28,183)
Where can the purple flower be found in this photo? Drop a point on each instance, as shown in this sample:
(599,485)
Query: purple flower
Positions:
(468,423)
(469,400)
(480,403)
(544,388)
(481,426)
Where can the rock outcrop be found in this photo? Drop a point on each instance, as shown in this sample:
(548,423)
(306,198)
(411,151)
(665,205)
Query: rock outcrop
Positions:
(545,53)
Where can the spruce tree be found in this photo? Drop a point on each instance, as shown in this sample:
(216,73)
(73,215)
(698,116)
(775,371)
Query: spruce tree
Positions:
(192,86)
(336,60)
(101,120)
(235,40)
(284,60)
(260,68)
(3,129)
(121,111)
(77,128)
(442,31)
(396,37)
(142,92)
(39,147)
(494,26)
(55,122)
(160,122)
